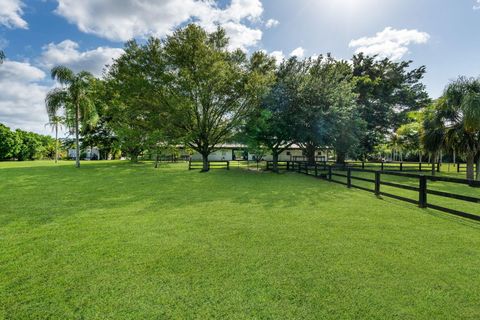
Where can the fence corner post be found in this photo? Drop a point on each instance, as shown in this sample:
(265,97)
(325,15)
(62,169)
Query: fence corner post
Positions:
(377,183)
(422,192)
(228,165)
(382,165)
(330,173)
(401,166)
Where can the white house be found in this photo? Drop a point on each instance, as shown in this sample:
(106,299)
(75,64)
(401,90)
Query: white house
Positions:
(229,152)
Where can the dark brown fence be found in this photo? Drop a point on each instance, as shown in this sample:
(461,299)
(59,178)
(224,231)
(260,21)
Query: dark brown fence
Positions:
(345,175)
(198,165)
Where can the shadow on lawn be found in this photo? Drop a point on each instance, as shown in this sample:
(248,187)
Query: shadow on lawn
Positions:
(38,195)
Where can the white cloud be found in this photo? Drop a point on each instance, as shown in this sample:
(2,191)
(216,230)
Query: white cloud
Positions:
(66,53)
(11,14)
(141,18)
(477,6)
(299,52)
(389,43)
(271,23)
(278,55)
(22,99)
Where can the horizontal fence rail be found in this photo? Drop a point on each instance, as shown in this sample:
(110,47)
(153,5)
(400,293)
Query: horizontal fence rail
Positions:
(345,175)
(198,165)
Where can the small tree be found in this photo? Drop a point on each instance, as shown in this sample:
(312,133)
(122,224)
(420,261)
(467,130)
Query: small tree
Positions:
(74,99)
(55,122)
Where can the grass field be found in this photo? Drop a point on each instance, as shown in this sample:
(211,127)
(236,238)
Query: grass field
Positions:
(114,240)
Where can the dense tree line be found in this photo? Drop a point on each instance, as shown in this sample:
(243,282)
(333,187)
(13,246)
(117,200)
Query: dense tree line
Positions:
(21,145)
(189,89)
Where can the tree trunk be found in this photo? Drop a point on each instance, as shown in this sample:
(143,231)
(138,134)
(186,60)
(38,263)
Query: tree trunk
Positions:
(478,167)
(432,160)
(205,163)
(341,156)
(470,166)
(77,134)
(56,143)
(275,162)
(310,153)
(156,159)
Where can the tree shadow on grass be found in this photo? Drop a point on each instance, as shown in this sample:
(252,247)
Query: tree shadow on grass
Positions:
(38,195)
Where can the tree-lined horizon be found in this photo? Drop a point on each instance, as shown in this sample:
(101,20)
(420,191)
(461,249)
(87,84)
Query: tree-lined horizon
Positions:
(190,89)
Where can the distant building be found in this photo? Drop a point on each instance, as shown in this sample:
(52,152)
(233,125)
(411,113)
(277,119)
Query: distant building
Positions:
(233,151)
(90,153)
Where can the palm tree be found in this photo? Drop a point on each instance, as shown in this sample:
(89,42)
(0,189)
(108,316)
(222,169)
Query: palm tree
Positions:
(74,99)
(55,123)
(461,115)
(433,132)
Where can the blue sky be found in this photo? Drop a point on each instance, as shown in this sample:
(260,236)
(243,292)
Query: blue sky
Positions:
(37,34)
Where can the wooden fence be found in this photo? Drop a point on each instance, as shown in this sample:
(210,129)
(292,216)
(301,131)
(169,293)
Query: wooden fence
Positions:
(198,165)
(348,178)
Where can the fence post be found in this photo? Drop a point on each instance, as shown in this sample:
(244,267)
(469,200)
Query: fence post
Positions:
(363,165)
(420,167)
(422,193)
(330,173)
(401,166)
(438,166)
(349,178)
(382,166)
(306,168)
(190,165)
(228,165)
(316,170)
(288,165)
(377,183)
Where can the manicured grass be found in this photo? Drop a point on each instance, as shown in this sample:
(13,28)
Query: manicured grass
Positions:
(114,240)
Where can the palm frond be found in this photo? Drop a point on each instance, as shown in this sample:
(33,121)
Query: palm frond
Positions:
(63,75)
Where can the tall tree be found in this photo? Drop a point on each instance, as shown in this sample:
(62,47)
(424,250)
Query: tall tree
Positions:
(135,91)
(387,91)
(329,113)
(74,99)
(213,89)
(276,122)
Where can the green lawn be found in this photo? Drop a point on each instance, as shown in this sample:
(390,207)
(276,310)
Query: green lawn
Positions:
(113,240)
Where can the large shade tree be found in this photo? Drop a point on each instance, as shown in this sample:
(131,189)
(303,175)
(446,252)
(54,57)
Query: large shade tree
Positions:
(212,90)
(73,98)
(136,98)
(387,92)
(275,123)
(329,114)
